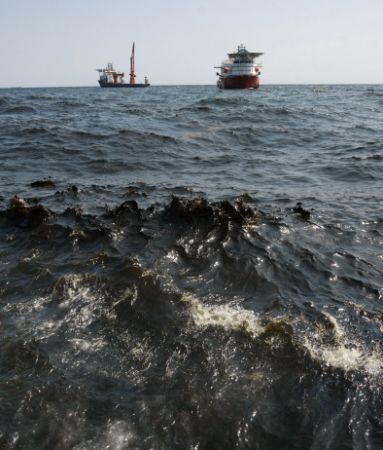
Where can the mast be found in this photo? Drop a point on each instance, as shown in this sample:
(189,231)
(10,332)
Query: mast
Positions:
(132,74)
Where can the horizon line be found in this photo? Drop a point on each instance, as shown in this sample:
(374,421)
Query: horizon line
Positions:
(200,85)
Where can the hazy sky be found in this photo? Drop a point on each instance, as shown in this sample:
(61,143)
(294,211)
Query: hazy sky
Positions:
(62,42)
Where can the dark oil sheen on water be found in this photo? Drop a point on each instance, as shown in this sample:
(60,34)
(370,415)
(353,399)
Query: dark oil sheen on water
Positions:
(186,268)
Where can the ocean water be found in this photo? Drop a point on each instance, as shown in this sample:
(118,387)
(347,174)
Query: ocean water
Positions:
(188,268)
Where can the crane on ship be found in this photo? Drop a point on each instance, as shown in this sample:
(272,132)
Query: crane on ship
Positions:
(132,74)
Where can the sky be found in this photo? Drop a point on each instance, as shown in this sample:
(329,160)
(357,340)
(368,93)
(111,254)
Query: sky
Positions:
(62,42)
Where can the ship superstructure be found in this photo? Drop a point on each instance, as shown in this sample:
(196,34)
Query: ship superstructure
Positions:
(109,77)
(240,71)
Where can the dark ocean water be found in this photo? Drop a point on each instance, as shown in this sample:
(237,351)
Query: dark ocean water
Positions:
(186,268)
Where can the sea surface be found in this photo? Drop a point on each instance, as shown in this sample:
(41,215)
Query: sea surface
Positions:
(187,268)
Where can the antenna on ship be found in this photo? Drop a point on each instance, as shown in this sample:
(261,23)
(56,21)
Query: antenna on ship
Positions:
(132,74)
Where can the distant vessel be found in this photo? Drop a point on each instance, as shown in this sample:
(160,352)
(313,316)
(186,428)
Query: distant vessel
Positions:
(240,71)
(111,78)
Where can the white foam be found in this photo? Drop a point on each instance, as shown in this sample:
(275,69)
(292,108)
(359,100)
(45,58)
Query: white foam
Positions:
(346,354)
(348,359)
(225,316)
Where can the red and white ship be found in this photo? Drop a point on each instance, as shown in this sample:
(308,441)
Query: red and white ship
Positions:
(240,71)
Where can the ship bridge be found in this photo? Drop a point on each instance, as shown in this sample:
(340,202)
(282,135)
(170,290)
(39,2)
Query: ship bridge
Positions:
(242,55)
(110,75)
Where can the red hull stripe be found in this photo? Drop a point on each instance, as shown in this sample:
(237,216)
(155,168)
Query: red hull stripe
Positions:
(240,82)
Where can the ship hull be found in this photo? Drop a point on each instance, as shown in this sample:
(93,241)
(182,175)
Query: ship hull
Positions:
(239,82)
(123,85)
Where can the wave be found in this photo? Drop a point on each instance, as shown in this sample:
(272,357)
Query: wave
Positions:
(4,101)
(18,109)
(70,103)
(143,320)
(42,97)
(224,101)
(375,157)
